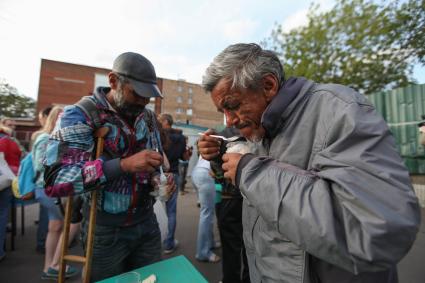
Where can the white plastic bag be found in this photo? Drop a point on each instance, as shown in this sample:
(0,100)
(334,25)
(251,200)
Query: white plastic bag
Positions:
(6,175)
(161,216)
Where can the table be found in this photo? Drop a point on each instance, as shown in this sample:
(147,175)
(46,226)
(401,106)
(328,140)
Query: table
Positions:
(173,270)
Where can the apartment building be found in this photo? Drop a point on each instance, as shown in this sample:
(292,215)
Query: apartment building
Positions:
(188,103)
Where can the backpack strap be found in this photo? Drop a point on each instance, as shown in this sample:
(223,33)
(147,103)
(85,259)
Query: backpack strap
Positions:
(88,106)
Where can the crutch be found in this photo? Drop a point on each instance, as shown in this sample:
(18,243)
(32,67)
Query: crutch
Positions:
(85,260)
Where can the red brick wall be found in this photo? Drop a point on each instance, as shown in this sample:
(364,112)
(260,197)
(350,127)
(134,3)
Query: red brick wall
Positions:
(64,83)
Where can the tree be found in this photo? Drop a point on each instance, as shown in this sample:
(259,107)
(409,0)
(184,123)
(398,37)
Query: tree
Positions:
(13,104)
(359,43)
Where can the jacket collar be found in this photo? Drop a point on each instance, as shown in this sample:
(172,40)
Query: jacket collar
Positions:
(283,103)
(100,96)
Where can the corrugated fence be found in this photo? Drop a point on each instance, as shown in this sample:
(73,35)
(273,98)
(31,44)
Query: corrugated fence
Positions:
(402,109)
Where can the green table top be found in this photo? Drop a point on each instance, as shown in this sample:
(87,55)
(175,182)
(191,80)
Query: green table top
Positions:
(173,270)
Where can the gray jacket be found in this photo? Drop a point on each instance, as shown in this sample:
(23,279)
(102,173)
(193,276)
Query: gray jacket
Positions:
(327,197)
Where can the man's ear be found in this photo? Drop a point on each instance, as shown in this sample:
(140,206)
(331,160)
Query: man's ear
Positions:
(113,80)
(270,86)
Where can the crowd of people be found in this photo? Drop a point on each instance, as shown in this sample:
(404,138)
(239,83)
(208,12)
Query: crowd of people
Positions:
(317,191)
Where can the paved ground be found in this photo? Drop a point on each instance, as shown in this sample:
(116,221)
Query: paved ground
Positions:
(24,265)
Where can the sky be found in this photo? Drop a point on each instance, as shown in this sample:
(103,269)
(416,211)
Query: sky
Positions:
(179,37)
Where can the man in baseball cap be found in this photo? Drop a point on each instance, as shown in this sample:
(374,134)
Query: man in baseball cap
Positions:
(127,235)
(140,73)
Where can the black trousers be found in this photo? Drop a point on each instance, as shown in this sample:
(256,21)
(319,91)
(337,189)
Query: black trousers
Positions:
(234,261)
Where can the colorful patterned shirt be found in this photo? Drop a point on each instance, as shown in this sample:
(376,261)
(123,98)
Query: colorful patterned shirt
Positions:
(124,198)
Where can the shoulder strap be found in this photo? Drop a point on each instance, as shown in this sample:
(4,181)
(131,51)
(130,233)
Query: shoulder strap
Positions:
(89,108)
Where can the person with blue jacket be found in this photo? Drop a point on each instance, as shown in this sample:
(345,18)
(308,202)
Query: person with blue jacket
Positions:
(127,235)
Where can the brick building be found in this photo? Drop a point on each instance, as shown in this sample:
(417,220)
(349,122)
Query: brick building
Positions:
(65,83)
(188,103)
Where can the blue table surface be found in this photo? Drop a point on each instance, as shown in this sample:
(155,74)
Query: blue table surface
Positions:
(173,270)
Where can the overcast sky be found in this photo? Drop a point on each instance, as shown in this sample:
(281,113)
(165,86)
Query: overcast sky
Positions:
(179,37)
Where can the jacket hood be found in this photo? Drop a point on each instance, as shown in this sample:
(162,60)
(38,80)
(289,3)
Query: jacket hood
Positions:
(273,113)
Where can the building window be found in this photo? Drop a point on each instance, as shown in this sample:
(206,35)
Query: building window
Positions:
(190,90)
(100,80)
(179,110)
(179,99)
(180,88)
(189,100)
(189,112)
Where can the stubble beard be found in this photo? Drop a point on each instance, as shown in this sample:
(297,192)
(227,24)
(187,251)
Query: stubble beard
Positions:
(129,111)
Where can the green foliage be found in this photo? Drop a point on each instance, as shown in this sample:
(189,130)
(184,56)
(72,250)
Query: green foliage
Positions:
(13,104)
(358,43)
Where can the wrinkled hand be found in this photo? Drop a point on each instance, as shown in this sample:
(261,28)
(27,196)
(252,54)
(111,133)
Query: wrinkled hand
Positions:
(143,161)
(230,165)
(209,147)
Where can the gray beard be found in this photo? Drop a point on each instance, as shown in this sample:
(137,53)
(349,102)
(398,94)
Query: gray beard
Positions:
(129,111)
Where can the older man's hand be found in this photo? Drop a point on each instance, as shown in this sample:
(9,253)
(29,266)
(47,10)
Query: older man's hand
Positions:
(209,147)
(230,165)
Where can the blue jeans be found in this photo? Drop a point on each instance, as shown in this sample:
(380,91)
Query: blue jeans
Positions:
(206,192)
(171,206)
(121,249)
(5,198)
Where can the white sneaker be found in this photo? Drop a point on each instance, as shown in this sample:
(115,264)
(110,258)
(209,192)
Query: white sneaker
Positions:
(169,251)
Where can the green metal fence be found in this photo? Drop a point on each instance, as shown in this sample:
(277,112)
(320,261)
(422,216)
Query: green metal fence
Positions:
(402,109)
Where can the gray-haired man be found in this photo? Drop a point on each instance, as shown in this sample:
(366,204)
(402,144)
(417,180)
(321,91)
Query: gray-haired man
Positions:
(326,195)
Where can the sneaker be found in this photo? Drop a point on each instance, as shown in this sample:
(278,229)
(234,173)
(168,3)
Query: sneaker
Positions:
(169,251)
(53,274)
(212,259)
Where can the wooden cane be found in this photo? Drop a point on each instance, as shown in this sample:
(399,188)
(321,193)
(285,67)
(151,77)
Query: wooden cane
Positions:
(85,260)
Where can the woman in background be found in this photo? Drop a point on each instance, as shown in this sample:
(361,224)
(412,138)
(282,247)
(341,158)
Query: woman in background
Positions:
(54,234)
(43,217)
